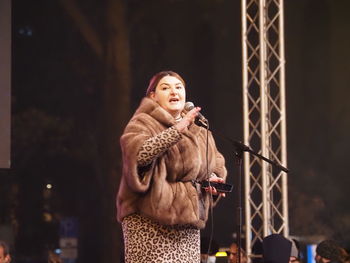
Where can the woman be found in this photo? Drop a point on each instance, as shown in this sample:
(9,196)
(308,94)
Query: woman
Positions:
(160,203)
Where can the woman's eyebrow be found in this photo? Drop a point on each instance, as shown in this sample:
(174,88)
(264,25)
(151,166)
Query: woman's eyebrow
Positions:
(165,83)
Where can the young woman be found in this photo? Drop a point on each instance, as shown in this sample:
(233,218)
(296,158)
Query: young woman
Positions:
(160,202)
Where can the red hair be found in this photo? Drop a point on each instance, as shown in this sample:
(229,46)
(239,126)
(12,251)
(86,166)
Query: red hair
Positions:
(157,77)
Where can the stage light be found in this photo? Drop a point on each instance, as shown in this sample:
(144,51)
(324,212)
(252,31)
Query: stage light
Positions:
(221,254)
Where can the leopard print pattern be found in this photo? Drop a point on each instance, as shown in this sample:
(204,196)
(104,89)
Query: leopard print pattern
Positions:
(151,242)
(155,146)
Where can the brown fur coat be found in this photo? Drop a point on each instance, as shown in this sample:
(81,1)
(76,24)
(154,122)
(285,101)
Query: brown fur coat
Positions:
(165,193)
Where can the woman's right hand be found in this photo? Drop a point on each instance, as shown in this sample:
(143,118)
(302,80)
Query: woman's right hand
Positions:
(187,119)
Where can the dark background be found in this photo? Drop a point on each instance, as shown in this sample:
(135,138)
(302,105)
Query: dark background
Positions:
(5,83)
(80,68)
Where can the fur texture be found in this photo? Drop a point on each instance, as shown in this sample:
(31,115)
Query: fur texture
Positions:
(164,192)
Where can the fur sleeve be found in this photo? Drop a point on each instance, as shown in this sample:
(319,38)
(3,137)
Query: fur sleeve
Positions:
(220,168)
(131,141)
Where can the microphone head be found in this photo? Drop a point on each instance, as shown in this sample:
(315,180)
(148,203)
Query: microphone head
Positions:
(189,106)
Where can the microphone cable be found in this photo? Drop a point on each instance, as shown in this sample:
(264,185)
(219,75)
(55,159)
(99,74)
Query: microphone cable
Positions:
(211,201)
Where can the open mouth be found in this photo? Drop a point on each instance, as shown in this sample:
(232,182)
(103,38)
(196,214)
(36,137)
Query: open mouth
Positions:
(174,100)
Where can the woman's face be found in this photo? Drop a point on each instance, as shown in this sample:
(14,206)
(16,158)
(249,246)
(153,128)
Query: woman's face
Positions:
(170,94)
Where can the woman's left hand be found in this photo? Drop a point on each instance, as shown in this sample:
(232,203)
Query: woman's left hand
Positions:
(214,178)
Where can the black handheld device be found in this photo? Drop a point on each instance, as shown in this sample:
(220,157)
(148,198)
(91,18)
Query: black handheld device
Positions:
(220,187)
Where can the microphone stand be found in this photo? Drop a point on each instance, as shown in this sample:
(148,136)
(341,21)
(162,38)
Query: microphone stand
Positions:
(238,152)
(239,157)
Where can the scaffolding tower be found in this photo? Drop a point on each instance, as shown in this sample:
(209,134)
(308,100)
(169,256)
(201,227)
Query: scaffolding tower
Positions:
(265,187)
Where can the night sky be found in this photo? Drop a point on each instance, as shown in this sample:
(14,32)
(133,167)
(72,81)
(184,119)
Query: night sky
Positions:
(59,95)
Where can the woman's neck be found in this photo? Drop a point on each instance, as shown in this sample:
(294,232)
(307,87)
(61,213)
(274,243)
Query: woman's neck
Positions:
(178,118)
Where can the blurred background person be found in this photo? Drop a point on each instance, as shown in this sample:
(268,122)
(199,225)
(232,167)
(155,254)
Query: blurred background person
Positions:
(328,251)
(232,254)
(4,252)
(276,249)
(345,256)
(53,257)
(295,253)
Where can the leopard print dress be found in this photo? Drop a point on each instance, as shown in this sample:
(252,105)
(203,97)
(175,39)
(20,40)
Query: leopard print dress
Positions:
(148,241)
(151,242)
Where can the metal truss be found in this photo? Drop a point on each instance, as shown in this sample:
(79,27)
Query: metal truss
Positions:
(265,190)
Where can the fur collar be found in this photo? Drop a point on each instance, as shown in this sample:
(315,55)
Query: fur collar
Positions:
(152,108)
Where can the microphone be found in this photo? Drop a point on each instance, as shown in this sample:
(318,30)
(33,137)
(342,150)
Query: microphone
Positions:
(200,119)
(189,106)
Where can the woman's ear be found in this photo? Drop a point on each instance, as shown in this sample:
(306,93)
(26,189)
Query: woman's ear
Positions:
(152,95)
